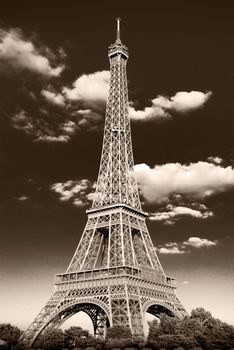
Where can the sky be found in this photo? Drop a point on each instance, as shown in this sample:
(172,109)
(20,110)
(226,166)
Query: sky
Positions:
(54,75)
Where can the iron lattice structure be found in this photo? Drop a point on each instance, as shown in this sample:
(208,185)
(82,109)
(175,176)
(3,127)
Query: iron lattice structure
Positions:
(115,275)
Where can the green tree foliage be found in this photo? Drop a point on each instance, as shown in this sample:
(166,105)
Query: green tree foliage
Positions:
(10,334)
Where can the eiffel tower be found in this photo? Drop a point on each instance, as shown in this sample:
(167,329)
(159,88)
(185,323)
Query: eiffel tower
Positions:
(115,275)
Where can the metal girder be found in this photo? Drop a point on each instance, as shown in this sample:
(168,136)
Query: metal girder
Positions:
(116,181)
(115,275)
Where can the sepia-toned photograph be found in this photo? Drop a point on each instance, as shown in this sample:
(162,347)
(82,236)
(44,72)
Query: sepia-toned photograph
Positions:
(117,175)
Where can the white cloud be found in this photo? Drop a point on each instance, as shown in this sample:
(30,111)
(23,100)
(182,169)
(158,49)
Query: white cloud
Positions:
(155,112)
(194,181)
(197,242)
(53,98)
(163,107)
(49,138)
(94,87)
(21,54)
(174,213)
(79,192)
(89,87)
(23,198)
(49,113)
(215,160)
(185,282)
(56,127)
(171,248)
(79,108)
(89,119)
(22,121)
(40,129)
(192,212)
(81,105)
(187,101)
(69,127)
(185,247)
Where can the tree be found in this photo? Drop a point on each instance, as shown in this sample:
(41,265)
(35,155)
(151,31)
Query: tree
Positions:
(199,330)
(165,325)
(138,342)
(118,337)
(174,341)
(10,334)
(77,336)
(52,339)
(201,315)
(118,332)
(154,331)
(188,327)
(214,333)
(218,334)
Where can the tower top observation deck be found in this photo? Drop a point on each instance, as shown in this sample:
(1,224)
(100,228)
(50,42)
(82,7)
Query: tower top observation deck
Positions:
(118,48)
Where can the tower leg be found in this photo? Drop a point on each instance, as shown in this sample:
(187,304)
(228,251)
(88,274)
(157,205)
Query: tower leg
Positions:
(100,326)
(62,306)
(126,308)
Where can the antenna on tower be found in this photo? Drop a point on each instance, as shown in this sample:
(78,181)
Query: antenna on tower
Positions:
(118,29)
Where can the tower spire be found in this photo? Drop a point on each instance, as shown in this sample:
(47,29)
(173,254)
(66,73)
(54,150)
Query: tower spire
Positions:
(118,30)
(116,180)
(115,276)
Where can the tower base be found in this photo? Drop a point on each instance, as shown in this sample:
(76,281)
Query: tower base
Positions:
(114,296)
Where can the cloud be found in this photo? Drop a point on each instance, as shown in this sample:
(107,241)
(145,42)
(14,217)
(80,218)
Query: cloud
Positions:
(94,87)
(171,248)
(185,247)
(155,112)
(22,120)
(215,160)
(49,138)
(49,111)
(37,106)
(49,125)
(174,213)
(194,181)
(197,242)
(188,101)
(79,192)
(89,119)
(69,127)
(21,54)
(89,87)
(65,112)
(162,108)
(43,107)
(42,129)
(23,198)
(52,97)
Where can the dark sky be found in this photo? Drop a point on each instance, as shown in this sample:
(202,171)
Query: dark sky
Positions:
(53,83)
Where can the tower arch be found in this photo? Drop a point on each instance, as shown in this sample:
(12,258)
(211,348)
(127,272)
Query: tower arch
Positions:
(115,267)
(95,309)
(157,307)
